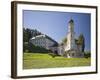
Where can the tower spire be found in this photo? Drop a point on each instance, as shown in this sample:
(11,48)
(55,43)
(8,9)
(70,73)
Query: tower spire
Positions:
(71,25)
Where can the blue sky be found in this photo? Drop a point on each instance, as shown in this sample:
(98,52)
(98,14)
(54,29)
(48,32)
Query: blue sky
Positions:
(55,24)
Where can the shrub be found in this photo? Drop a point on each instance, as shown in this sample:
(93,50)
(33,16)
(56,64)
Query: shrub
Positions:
(29,47)
(65,54)
(87,54)
(26,51)
(52,55)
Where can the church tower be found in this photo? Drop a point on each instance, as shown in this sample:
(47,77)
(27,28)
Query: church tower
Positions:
(70,45)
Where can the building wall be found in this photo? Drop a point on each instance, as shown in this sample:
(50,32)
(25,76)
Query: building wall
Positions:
(61,50)
(70,42)
(39,41)
(42,41)
(49,43)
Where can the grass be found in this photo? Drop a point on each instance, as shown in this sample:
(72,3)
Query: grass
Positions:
(37,60)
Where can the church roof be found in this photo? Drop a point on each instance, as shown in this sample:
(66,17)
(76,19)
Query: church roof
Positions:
(43,35)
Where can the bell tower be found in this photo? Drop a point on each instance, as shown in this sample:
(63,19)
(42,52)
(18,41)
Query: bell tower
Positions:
(70,45)
(71,26)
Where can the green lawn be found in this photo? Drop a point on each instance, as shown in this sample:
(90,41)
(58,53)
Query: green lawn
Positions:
(36,60)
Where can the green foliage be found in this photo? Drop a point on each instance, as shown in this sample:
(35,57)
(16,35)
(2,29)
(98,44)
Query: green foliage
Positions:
(35,32)
(25,47)
(87,54)
(81,41)
(35,49)
(29,33)
(26,51)
(64,41)
(40,60)
(52,55)
(65,54)
(29,47)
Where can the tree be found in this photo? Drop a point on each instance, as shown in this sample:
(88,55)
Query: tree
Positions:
(64,40)
(81,41)
(35,32)
(29,34)
(87,54)
(25,36)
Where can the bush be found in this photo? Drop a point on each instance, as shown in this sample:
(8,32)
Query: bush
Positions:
(53,55)
(25,47)
(65,54)
(87,54)
(29,47)
(26,51)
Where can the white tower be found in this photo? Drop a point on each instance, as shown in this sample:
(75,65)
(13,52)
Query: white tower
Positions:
(70,45)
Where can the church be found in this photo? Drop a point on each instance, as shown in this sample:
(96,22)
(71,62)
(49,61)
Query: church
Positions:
(71,49)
